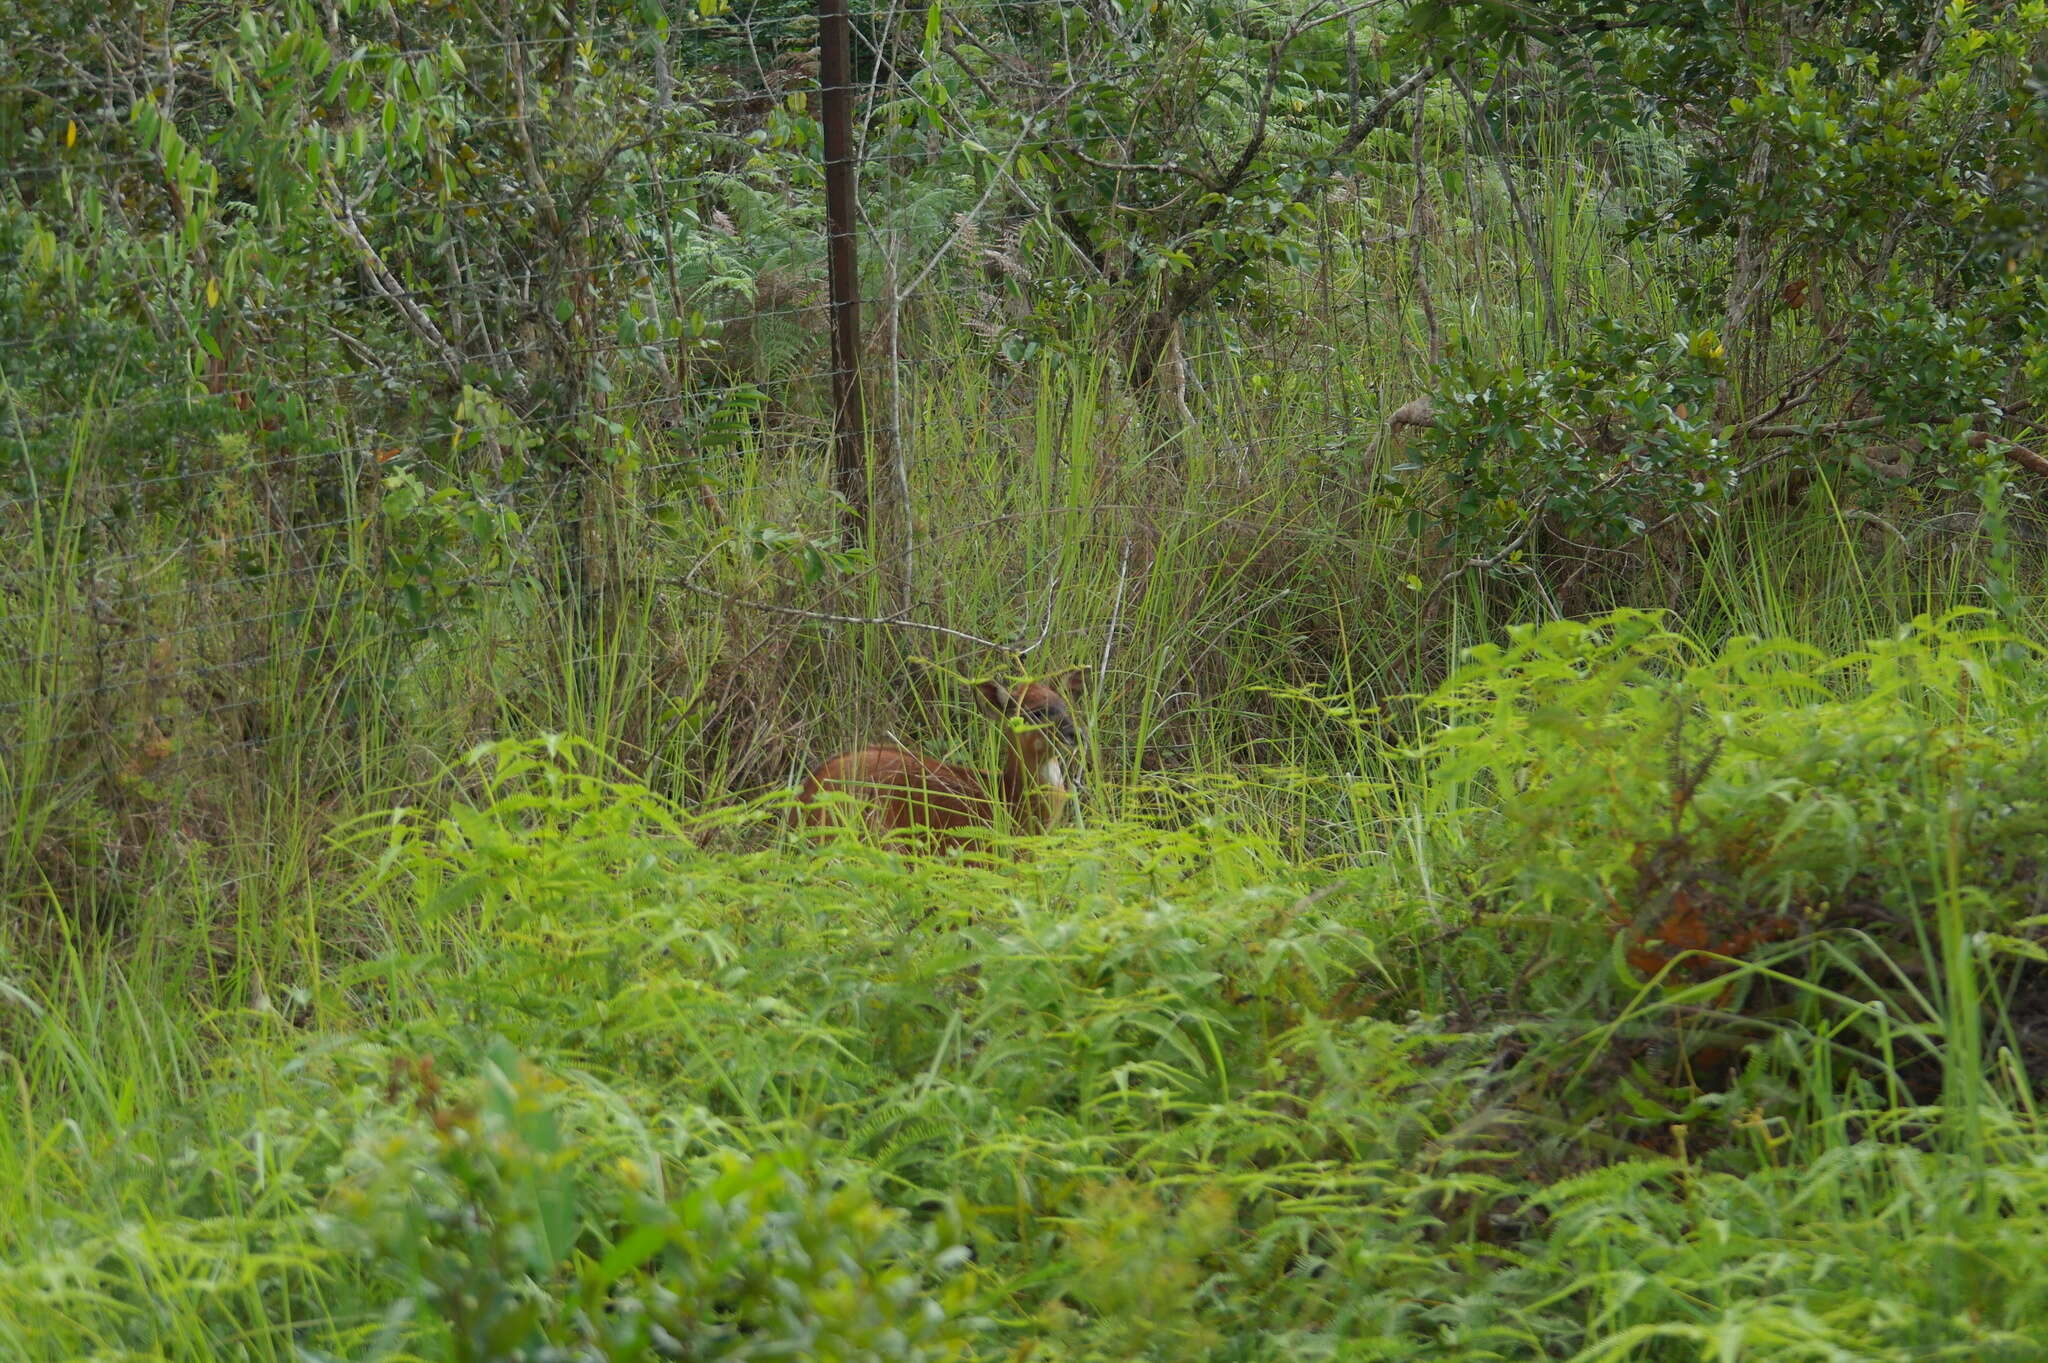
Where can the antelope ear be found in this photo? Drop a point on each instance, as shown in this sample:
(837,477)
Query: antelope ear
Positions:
(994,696)
(1074,683)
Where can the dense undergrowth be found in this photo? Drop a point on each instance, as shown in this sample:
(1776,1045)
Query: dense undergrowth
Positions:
(1689,1005)
(1646,986)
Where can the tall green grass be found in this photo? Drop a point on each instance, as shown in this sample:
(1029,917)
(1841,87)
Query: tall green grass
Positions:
(177,702)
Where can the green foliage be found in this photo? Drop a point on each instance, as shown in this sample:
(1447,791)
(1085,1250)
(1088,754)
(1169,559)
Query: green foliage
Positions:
(1795,781)
(361,209)
(1922,364)
(1155,1091)
(442,548)
(1874,175)
(521,1252)
(1189,185)
(1592,450)
(1673,991)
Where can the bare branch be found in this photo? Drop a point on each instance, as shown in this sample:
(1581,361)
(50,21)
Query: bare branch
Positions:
(1193,290)
(384,282)
(1363,127)
(896,620)
(1850,513)
(1116,610)
(1052,587)
(1861,423)
(1071,227)
(2019,454)
(1171,168)
(1250,151)
(2022,455)
(1797,391)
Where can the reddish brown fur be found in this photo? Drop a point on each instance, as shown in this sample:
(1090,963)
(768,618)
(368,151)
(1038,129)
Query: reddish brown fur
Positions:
(947,805)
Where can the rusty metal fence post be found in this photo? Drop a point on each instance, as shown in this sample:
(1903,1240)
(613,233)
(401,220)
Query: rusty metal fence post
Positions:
(849,416)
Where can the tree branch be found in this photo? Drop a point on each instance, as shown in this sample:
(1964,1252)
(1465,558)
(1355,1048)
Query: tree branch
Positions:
(1797,392)
(1143,168)
(895,620)
(382,280)
(1189,292)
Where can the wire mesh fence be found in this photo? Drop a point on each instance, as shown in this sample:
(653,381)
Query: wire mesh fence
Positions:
(376,380)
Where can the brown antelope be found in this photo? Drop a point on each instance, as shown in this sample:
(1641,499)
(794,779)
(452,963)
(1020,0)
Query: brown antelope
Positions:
(949,805)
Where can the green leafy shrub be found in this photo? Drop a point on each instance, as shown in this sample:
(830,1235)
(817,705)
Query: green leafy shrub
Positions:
(522,1252)
(1602,740)
(1591,451)
(442,548)
(1880,808)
